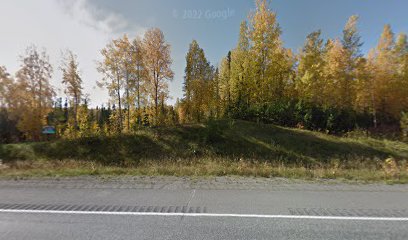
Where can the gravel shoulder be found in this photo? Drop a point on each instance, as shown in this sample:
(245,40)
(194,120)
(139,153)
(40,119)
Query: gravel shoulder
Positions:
(204,183)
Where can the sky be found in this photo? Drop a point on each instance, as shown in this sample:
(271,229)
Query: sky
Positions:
(86,26)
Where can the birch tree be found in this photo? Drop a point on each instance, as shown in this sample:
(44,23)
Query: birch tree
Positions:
(72,81)
(36,92)
(158,66)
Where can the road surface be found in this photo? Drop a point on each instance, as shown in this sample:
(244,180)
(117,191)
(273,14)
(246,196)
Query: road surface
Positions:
(207,208)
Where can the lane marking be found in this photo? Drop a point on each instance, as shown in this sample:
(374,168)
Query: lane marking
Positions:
(230,215)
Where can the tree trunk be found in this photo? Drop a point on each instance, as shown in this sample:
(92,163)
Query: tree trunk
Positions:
(138,97)
(120,105)
(40,110)
(76,114)
(156,93)
(128,102)
(373,106)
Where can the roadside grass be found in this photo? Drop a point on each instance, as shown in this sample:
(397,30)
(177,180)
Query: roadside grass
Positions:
(197,168)
(218,148)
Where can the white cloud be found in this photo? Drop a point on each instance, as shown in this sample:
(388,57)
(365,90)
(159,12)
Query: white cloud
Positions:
(97,18)
(57,25)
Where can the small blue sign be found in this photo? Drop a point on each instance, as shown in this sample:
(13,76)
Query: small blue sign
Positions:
(49,130)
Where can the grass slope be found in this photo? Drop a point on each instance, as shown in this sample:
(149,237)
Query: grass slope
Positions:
(218,148)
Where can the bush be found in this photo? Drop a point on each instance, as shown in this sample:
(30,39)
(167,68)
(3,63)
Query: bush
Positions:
(213,132)
(8,128)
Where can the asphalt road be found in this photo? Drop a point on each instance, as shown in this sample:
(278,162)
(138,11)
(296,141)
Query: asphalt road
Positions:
(214,208)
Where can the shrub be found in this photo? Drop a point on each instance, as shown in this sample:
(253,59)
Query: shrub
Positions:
(292,113)
(213,132)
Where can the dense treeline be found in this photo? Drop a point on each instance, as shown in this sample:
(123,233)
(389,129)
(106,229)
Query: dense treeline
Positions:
(135,72)
(329,85)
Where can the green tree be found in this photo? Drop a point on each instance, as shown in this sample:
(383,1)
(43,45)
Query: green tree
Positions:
(351,43)
(6,84)
(351,39)
(216,97)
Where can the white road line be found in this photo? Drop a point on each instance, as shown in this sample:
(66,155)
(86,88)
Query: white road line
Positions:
(232,215)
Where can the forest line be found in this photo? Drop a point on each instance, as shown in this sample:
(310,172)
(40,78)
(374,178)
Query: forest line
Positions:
(328,86)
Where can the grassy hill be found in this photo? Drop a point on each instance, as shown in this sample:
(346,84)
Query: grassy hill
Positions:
(217,148)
